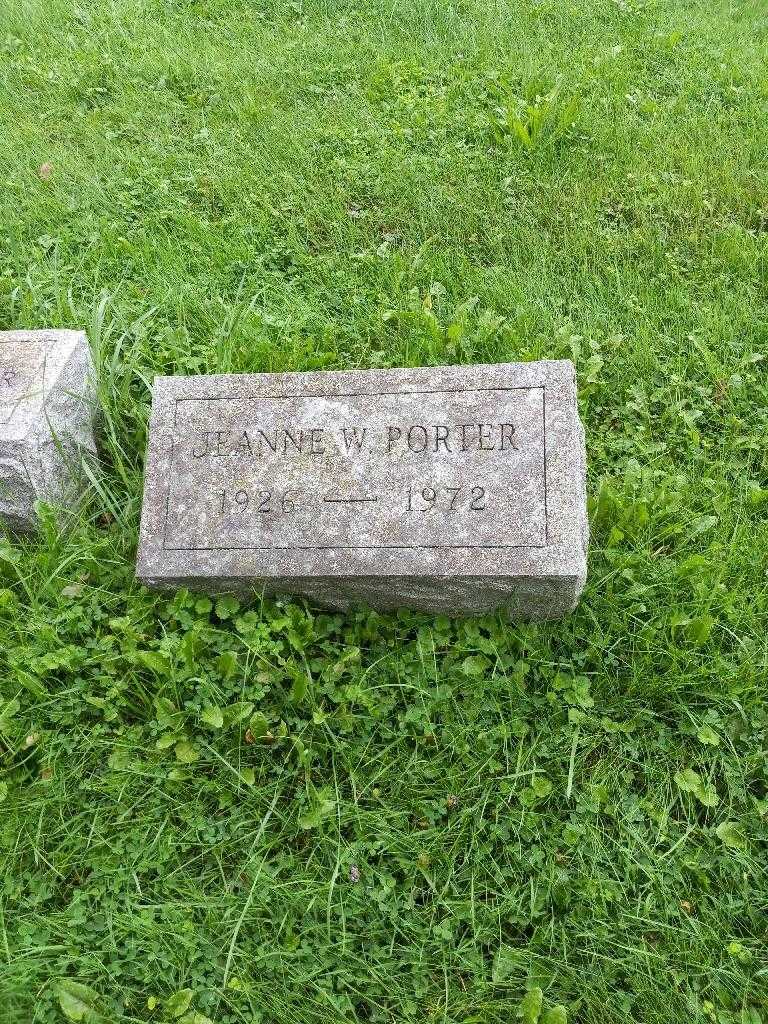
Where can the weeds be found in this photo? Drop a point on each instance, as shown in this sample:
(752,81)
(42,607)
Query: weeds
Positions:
(263,812)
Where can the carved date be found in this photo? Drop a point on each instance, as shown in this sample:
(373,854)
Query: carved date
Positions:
(447,499)
(418,499)
(264,502)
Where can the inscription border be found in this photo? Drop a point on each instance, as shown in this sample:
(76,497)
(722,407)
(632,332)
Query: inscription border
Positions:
(365,547)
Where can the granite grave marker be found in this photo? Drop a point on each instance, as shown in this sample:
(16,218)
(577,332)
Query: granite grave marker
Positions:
(46,419)
(452,489)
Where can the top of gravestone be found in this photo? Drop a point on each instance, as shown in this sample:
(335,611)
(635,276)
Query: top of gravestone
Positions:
(31,364)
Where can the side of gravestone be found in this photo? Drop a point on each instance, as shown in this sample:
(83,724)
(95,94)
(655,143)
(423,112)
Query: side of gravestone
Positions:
(47,404)
(454,489)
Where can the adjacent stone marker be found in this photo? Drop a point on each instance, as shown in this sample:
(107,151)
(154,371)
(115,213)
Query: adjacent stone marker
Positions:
(46,419)
(453,489)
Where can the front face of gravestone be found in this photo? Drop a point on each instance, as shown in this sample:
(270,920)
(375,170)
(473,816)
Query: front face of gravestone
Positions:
(21,374)
(435,476)
(419,469)
(46,412)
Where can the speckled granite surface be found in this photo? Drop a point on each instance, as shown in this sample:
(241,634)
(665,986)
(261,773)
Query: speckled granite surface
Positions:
(449,489)
(46,419)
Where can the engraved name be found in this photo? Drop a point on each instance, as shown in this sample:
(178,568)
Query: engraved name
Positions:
(398,439)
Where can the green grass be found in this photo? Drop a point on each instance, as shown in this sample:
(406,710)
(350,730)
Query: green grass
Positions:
(451,813)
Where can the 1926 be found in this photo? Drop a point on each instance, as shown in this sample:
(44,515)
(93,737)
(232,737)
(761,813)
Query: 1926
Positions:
(264,502)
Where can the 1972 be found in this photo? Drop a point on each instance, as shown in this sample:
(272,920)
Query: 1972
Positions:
(447,499)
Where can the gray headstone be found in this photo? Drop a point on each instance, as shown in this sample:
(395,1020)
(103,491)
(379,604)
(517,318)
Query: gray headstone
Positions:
(452,489)
(46,420)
